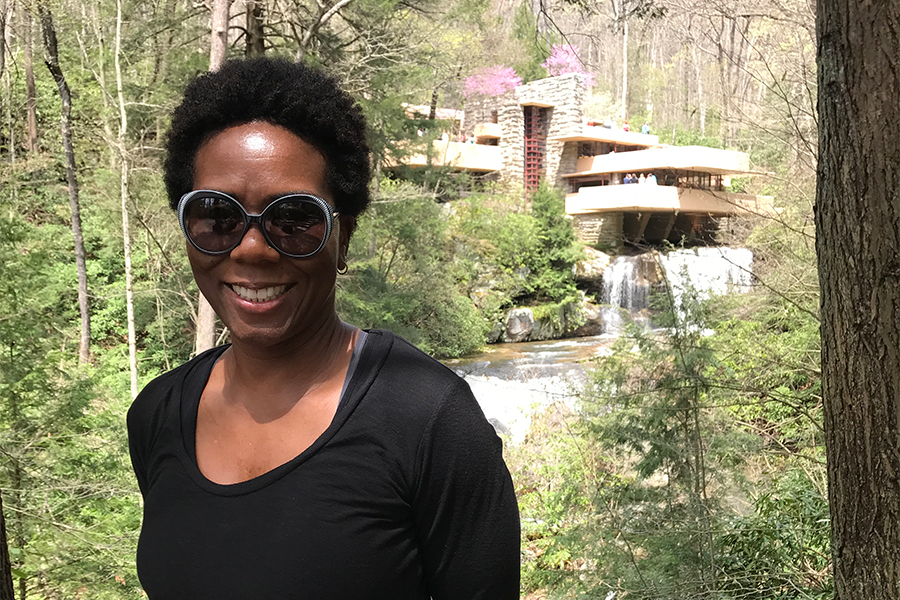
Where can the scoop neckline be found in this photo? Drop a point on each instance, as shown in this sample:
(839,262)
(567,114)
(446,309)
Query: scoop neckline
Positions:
(190,404)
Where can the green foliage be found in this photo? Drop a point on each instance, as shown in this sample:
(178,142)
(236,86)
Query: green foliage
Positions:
(65,473)
(674,430)
(609,496)
(782,549)
(688,137)
(398,279)
(535,45)
(557,253)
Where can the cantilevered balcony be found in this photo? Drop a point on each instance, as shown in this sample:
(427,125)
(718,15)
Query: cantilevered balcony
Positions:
(594,133)
(461,156)
(648,198)
(670,158)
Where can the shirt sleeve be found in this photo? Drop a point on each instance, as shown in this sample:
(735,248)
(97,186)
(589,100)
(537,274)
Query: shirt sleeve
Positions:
(465,505)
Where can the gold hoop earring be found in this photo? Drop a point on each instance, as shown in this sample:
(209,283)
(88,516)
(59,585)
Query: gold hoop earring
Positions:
(343,270)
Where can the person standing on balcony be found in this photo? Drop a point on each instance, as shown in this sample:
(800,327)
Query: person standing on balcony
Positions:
(645,128)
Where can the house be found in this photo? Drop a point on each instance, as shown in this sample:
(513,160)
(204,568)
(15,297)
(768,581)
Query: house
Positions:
(539,131)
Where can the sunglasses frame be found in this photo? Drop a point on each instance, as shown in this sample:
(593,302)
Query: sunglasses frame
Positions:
(250,219)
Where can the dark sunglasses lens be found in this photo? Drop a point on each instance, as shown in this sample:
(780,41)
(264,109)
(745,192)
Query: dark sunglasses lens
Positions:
(213,223)
(296,226)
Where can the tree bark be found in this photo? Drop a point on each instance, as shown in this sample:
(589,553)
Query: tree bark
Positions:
(218,45)
(4,12)
(205,337)
(6,585)
(126,224)
(858,247)
(624,69)
(30,94)
(701,99)
(256,36)
(52,61)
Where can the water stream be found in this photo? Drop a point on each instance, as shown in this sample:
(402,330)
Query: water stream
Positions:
(513,381)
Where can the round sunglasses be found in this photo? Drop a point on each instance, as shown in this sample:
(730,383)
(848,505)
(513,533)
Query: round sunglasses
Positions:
(297,225)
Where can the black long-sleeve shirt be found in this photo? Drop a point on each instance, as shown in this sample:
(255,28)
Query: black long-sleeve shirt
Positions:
(404,497)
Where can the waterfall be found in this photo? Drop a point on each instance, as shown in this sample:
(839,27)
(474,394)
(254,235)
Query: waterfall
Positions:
(709,271)
(626,289)
(628,280)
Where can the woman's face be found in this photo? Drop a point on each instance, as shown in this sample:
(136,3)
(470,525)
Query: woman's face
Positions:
(256,163)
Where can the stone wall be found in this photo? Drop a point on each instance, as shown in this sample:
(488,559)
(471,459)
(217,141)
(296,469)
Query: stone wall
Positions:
(600,229)
(477,110)
(512,138)
(565,94)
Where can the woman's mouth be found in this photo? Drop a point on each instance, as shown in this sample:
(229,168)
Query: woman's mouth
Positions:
(258,295)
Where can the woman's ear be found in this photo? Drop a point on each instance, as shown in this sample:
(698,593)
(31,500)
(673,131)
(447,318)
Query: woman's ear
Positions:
(347,227)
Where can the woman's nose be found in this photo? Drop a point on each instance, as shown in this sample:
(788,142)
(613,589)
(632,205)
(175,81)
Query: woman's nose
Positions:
(254,247)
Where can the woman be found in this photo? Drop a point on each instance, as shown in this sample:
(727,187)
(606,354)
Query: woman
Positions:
(308,459)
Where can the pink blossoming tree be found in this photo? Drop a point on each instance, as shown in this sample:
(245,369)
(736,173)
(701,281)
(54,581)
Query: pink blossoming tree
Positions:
(491,81)
(564,59)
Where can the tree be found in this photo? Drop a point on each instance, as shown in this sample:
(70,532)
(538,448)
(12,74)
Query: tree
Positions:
(218,46)
(126,223)
(6,585)
(31,138)
(564,59)
(858,245)
(492,81)
(52,60)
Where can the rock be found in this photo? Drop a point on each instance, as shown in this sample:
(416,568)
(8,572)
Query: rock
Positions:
(499,426)
(496,333)
(519,325)
(592,320)
(589,272)
(592,268)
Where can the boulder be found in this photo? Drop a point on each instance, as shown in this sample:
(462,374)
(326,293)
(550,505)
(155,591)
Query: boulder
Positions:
(589,272)
(519,325)
(592,267)
(591,320)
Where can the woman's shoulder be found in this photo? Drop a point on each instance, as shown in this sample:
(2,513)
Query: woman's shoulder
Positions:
(158,395)
(402,360)
(410,385)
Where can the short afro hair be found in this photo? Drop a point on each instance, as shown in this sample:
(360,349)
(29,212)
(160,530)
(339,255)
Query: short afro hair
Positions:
(303,100)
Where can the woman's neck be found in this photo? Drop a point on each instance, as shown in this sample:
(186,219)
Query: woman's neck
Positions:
(299,365)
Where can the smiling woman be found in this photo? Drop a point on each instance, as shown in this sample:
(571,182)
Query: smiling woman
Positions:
(308,459)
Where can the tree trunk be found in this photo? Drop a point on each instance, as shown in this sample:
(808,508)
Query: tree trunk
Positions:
(701,99)
(218,45)
(4,12)
(205,337)
(6,585)
(30,93)
(256,36)
(432,108)
(858,247)
(101,79)
(624,69)
(126,225)
(52,61)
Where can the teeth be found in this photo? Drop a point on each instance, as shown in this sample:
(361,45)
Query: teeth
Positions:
(260,295)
